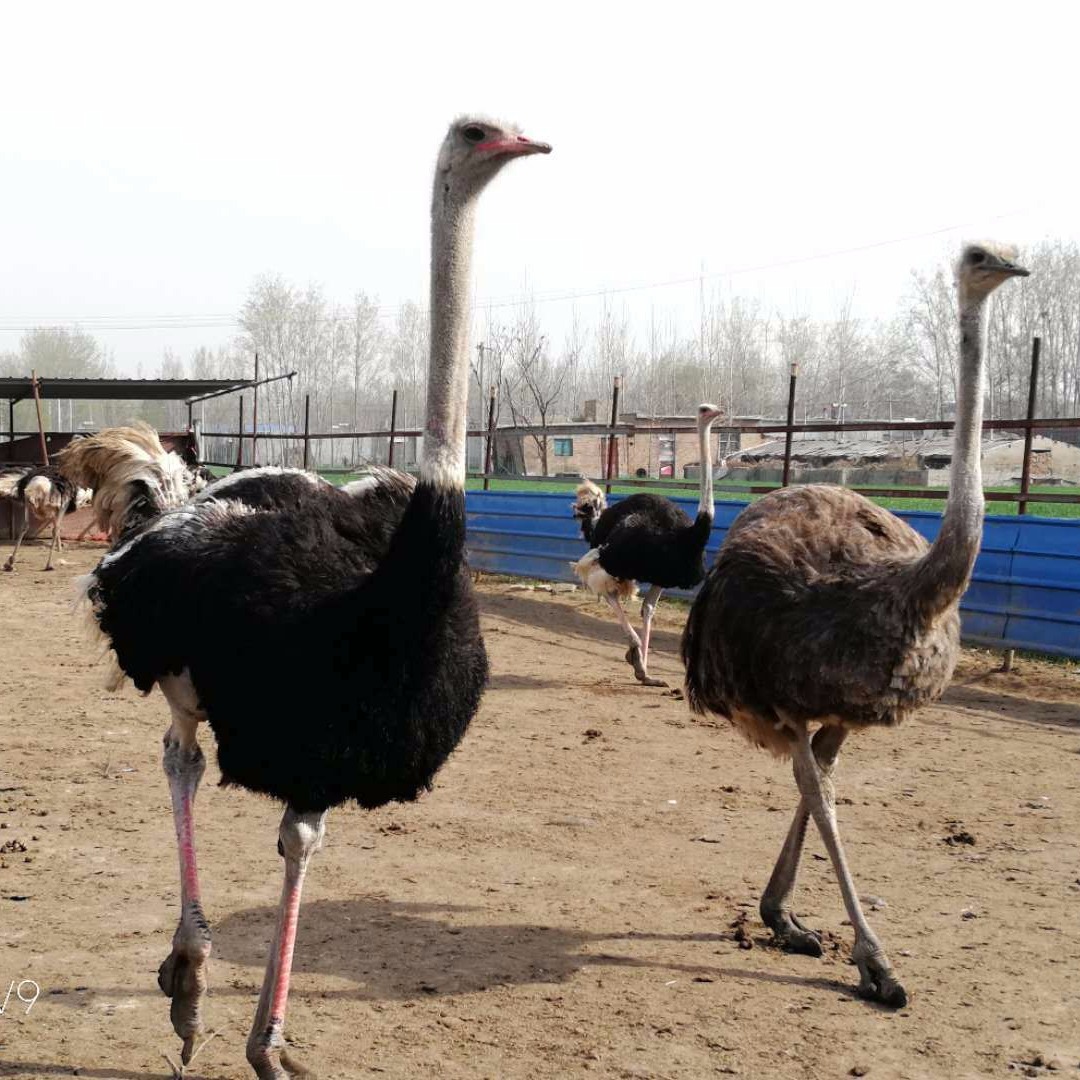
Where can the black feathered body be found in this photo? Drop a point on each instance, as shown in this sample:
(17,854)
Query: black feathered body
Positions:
(333,639)
(646,537)
(63,493)
(809,614)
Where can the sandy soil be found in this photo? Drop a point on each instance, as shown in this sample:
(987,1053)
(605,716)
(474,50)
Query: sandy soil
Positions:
(567,900)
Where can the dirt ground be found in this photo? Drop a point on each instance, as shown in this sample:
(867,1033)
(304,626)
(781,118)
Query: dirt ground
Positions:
(567,901)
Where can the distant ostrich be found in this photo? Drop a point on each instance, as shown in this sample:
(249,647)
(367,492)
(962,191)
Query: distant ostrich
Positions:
(330,637)
(46,495)
(648,538)
(823,608)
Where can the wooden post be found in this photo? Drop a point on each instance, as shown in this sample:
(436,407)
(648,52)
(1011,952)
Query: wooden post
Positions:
(240,436)
(611,446)
(11,420)
(674,454)
(1025,468)
(790,420)
(490,442)
(255,412)
(40,422)
(307,428)
(393,428)
(189,425)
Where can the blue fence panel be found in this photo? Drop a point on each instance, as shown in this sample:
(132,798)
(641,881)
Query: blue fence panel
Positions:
(1025,592)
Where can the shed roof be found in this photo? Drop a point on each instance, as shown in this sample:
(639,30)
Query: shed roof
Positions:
(20,387)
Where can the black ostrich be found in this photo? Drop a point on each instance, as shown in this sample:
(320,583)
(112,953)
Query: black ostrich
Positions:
(46,495)
(329,637)
(645,538)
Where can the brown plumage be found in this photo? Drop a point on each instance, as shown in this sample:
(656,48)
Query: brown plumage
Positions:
(823,609)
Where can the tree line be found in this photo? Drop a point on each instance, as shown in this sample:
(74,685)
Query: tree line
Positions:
(350,357)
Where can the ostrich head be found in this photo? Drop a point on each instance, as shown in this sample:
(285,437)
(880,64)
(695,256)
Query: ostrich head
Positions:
(707,413)
(475,149)
(983,267)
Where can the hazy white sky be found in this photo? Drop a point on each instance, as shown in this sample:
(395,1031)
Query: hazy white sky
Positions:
(155,158)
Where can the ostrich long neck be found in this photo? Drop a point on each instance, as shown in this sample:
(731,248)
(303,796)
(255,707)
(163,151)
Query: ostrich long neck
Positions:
(452,225)
(705,502)
(942,575)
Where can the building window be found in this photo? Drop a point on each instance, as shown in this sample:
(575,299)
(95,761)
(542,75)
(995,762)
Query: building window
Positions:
(564,447)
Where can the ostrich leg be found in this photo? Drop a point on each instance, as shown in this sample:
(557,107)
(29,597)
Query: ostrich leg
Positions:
(878,981)
(776,900)
(10,564)
(648,609)
(633,654)
(299,837)
(56,542)
(182,976)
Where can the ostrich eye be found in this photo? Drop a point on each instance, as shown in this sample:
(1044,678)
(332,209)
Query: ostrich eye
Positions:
(473,133)
(977,257)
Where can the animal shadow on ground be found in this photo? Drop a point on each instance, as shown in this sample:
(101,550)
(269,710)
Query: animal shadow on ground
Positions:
(1010,707)
(395,950)
(569,623)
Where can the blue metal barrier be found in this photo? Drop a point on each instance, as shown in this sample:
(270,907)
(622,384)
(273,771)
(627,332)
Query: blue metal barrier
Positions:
(1025,593)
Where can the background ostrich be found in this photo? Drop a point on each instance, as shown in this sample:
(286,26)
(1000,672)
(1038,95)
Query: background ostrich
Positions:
(648,538)
(824,608)
(46,495)
(330,638)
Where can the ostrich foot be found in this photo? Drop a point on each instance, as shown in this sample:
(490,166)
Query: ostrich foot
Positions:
(878,983)
(273,1063)
(633,658)
(182,977)
(9,566)
(790,933)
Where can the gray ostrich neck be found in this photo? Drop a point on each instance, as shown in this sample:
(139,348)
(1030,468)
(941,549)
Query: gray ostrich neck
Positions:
(705,501)
(944,572)
(452,224)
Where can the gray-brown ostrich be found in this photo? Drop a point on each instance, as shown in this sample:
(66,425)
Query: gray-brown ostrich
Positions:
(824,609)
(46,495)
(330,638)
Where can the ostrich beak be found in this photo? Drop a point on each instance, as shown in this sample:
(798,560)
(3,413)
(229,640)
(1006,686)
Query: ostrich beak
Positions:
(516,145)
(1009,268)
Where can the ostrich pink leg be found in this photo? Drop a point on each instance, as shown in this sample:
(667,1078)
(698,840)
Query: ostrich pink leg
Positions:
(648,609)
(878,980)
(299,837)
(776,900)
(182,976)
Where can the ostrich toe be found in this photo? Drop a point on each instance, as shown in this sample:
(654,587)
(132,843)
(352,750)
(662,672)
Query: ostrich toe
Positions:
(878,983)
(633,658)
(790,933)
(182,977)
(271,1063)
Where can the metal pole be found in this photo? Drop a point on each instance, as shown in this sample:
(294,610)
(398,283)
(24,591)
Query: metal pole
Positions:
(11,420)
(240,436)
(1025,468)
(790,421)
(189,416)
(674,454)
(307,428)
(40,422)
(611,447)
(255,412)
(490,437)
(393,428)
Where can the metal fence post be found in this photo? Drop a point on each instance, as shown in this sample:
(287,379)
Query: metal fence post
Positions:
(393,428)
(1025,468)
(790,421)
(490,442)
(611,446)
(307,429)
